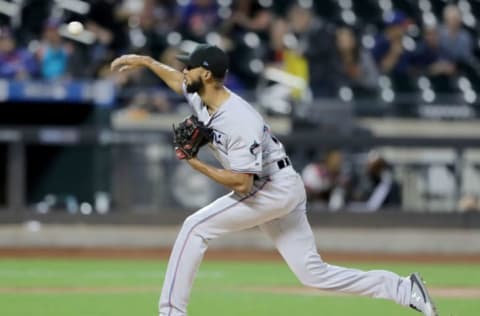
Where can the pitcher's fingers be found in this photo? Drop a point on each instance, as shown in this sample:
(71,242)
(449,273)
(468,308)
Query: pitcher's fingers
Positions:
(114,65)
(125,68)
(117,62)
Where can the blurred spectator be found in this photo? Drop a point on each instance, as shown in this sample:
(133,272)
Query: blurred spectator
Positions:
(160,103)
(377,188)
(15,63)
(33,14)
(167,14)
(199,17)
(325,181)
(428,58)
(305,45)
(389,52)
(248,16)
(149,103)
(53,53)
(354,66)
(246,35)
(431,61)
(468,203)
(455,42)
(109,28)
(286,33)
(149,28)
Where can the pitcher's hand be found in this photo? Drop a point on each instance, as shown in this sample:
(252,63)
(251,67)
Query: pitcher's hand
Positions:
(129,62)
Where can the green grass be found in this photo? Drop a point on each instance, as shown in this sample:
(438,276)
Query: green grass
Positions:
(219,289)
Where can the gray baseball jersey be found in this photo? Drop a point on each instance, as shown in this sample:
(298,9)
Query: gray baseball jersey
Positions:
(242,140)
(276,204)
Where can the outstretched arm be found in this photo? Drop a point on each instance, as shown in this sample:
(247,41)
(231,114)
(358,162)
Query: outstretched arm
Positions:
(238,182)
(172,77)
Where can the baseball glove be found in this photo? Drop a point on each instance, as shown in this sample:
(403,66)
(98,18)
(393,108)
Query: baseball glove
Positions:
(189,136)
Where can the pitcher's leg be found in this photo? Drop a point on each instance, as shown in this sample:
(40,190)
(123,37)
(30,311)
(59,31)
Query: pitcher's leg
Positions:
(226,214)
(294,239)
(186,256)
(190,249)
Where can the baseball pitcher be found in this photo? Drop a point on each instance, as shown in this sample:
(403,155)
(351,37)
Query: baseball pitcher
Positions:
(266,190)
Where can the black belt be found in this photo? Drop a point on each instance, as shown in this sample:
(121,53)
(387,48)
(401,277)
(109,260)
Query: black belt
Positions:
(282,163)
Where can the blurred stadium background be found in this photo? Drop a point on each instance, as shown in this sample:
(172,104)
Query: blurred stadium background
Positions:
(376,101)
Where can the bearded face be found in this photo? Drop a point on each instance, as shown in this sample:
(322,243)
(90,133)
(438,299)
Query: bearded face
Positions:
(195,86)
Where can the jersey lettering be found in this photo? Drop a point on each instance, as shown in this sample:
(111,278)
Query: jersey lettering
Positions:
(254,148)
(217,137)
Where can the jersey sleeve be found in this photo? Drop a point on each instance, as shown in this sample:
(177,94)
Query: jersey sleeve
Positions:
(245,151)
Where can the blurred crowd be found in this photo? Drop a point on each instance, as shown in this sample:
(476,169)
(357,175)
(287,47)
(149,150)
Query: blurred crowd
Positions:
(337,180)
(338,48)
(334,183)
(367,46)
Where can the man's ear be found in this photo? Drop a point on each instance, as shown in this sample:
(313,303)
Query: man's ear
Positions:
(207,75)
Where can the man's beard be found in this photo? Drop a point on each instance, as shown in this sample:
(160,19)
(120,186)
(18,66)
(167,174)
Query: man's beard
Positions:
(195,86)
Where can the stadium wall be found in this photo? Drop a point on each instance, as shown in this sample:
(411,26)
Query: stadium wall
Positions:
(387,240)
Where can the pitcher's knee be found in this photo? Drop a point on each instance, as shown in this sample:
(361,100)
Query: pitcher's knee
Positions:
(190,222)
(196,225)
(313,274)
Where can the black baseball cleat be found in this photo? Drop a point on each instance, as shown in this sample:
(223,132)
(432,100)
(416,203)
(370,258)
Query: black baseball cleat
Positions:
(420,300)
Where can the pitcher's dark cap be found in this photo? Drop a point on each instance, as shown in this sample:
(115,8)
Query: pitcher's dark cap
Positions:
(209,57)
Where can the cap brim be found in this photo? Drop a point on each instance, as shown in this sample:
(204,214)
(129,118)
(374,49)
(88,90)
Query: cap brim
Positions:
(184,59)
